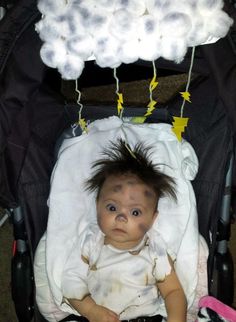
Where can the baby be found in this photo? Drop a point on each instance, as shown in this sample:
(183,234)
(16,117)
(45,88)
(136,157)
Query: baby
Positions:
(121,278)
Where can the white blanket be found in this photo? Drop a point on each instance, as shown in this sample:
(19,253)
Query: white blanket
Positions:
(71,208)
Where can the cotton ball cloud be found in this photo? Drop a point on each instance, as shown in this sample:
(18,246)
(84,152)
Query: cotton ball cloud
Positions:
(81,45)
(53,54)
(108,4)
(135,7)
(149,50)
(122,31)
(219,25)
(123,25)
(106,51)
(149,38)
(173,49)
(176,24)
(99,23)
(72,67)
(207,6)
(129,52)
(198,33)
(48,29)
(157,7)
(51,7)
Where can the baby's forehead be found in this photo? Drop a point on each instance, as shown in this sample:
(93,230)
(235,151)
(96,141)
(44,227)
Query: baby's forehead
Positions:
(123,179)
(116,183)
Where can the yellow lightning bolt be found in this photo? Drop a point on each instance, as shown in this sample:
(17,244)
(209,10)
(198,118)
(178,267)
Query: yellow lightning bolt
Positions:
(151,107)
(186,96)
(179,125)
(119,103)
(153,83)
(83,125)
(138,119)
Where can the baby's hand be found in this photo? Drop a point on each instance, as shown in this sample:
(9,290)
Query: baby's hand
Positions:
(100,313)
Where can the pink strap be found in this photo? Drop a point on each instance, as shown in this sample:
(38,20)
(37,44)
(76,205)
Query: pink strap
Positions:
(222,309)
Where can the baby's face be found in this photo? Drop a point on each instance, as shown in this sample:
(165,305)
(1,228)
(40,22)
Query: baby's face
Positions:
(126,210)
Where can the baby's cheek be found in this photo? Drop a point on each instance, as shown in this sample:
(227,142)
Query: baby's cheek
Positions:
(143,228)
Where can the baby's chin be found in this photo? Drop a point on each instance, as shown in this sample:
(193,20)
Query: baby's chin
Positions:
(119,241)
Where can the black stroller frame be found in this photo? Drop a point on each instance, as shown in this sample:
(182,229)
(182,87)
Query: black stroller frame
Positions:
(30,95)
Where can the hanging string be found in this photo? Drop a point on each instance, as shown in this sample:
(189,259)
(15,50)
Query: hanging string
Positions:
(120,95)
(151,105)
(186,94)
(82,123)
(120,109)
(153,84)
(180,123)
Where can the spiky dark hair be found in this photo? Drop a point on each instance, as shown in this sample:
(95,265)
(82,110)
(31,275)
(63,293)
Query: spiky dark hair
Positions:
(120,159)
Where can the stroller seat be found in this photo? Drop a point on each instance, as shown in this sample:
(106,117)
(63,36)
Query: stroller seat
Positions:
(72,209)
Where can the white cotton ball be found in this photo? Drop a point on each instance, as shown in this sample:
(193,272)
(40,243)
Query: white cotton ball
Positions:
(54,53)
(81,45)
(173,48)
(148,33)
(64,23)
(92,17)
(98,22)
(107,60)
(79,20)
(48,29)
(83,12)
(55,26)
(183,6)
(108,5)
(75,3)
(148,26)
(191,3)
(72,67)
(105,51)
(198,33)
(149,49)
(157,7)
(175,24)
(123,25)
(75,22)
(207,6)
(136,7)
(129,51)
(218,25)
(52,7)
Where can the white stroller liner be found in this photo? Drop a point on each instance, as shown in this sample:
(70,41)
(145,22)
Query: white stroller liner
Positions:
(71,208)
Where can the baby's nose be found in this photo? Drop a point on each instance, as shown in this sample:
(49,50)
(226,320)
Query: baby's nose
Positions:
(122,217)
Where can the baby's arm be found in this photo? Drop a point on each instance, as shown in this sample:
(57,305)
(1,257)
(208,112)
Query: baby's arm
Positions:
(93,312)
(174,297)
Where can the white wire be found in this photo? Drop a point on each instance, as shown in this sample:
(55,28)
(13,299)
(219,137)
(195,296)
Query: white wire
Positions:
(154,75)
(78,99)
(117,81)
(117,89)
(188,81)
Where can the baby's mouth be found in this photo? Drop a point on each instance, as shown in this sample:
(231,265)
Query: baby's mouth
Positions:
(119,230)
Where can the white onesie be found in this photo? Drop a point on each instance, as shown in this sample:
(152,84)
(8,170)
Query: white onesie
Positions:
(121,280)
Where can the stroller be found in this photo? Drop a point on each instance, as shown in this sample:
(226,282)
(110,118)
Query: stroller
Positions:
(31,95)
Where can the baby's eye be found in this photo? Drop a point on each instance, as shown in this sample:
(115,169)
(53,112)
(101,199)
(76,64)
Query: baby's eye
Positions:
(136,212)
(111,207)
